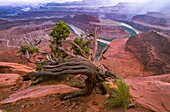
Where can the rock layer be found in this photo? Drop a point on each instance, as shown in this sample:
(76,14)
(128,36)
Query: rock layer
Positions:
(7,80)
(152,50)
(151,92)
(153,18)
(38,91)
(121,62)
(15,68)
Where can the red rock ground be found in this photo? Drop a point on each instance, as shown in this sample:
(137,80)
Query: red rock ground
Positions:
(150,93)
(18,96)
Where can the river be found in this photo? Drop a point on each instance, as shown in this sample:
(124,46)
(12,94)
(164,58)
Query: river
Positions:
(79,31)
(132,31)
(104,43)
(116,23)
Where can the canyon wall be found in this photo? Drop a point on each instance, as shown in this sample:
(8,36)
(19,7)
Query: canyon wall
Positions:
(153,18)
(152,50)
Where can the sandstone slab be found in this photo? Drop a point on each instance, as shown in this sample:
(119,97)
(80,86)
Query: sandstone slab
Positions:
(8,80)
(22,70)
(38,91)
(151,92)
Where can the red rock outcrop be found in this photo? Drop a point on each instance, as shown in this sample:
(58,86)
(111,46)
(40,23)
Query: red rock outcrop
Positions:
(85,18)
(152,49)
(38,91)
(119,61)
(11,78)
(112,32)
(8,80)
(82,21)
(122,62)
(15,68)
(151,92)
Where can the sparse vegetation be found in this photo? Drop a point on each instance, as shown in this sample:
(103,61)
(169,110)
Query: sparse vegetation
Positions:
(59,33)
(28,49)
(73,60)
(83,44)
(119,93)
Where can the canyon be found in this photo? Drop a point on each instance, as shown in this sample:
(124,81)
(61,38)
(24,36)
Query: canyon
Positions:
(148,84)
(134,44)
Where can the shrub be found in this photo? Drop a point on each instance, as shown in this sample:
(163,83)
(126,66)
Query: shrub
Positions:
(83,44)
(59,33)
(119,93)
(31,50)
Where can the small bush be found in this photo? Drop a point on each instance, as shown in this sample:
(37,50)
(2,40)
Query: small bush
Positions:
(119,93)
(31,50)
(83,44)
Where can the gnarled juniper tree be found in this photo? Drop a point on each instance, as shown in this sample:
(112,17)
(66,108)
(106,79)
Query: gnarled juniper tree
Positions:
(73,60)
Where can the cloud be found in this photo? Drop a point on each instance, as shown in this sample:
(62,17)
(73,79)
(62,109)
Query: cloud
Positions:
(155,6)
(34,1)
(103,1)
(113,2)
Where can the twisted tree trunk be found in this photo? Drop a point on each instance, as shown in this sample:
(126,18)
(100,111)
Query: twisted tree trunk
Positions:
(74,66)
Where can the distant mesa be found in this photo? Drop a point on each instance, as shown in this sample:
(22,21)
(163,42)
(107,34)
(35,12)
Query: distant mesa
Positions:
(86,18)
(153,18)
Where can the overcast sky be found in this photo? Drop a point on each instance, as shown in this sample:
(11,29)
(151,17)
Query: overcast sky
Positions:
(30,1)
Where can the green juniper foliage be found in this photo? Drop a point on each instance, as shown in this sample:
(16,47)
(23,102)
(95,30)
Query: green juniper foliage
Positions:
(118,90)
(30,50)
(119,94)
(59,33)
(83,44)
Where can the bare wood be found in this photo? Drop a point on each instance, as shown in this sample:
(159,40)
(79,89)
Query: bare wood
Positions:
(81,51)
(73,64)
(92,32)
(95,45)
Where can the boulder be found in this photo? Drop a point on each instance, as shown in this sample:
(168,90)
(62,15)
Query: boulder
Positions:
(152,92)
(152,50)
(38,91)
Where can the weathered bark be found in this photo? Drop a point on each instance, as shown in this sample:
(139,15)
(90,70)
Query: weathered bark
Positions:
(75,66)
(95,45)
